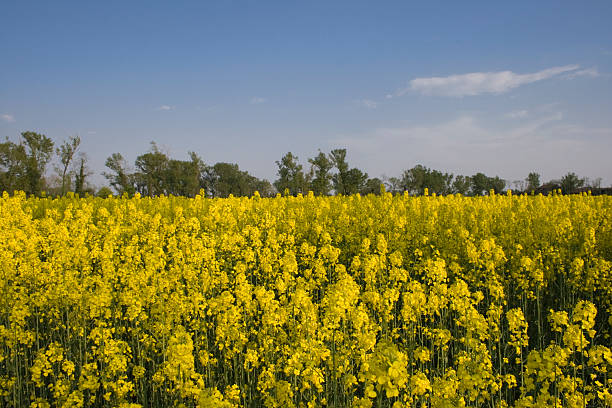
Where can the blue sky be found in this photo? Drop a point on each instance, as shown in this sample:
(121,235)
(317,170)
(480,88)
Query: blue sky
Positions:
(503,88)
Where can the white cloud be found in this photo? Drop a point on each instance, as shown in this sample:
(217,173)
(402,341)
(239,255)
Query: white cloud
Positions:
(477,83)
(516,114)
(368,103)
(165,108)
(7,118)
(588,72)
(469,144)
(256,100)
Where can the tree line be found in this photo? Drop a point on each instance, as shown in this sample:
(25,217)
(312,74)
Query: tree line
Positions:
(24,166)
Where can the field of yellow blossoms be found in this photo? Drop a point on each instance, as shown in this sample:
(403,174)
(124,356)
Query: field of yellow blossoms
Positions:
(377,301)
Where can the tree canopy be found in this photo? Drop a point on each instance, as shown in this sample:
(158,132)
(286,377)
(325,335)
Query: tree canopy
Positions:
(23,166)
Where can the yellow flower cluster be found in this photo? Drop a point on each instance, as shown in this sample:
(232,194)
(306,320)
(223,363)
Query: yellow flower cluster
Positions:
(377,301)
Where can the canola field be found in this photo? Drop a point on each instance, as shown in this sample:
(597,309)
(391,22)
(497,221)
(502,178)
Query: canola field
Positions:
(377,301)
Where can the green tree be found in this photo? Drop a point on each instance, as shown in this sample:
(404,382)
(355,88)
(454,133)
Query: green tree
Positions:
(12,166)
(419,178)
(152,171)
(570,183)
(184,178)
(38,152)
(440,183)
(414,179)
(104,192)
(224,179)
(480,184)
(340,178)
(264,187)
(66,152)
(461,185)
(355,181)
(372,186)
(321,168)
(290,175)
(119,178)
(497,184)
(81,175)
(533,181)
(346,180)
(200,168)
(393,184)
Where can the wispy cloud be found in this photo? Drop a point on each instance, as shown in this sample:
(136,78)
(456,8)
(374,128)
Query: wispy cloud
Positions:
(165,108)
(367,103)
(588,72)
(477,83)
(7,118)
(256,100)
(516,114)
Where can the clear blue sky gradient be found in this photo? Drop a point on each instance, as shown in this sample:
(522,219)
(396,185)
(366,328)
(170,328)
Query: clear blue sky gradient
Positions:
(248,81)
